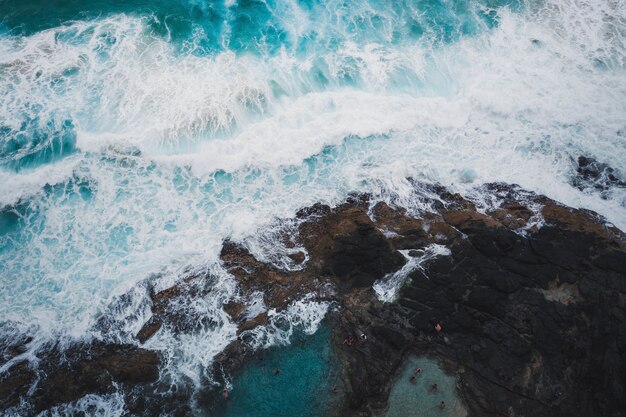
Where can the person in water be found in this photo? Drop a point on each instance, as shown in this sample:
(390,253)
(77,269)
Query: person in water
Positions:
(225,393)
(413,380)
(438,327)
(334,390)
(433,387)
(418,372)
(442,405)
(276,371)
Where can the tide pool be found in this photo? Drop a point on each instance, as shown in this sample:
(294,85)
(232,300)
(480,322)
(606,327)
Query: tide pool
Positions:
(302,388)
(419,399)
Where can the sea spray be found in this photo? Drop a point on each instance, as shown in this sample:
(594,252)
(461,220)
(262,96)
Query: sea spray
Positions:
(304,315)
(136,138)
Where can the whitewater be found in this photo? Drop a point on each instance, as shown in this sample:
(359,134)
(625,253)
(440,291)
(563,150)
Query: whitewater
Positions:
(135,138)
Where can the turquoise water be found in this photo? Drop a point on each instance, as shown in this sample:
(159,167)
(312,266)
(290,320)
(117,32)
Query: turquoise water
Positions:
(302,388)
(241,25)
(419,399)
(135,136)
(307,375)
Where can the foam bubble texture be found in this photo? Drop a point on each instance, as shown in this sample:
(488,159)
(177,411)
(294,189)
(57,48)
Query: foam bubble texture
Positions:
(130,148)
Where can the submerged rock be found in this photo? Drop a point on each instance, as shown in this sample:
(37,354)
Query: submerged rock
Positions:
(172,307)
(592,174)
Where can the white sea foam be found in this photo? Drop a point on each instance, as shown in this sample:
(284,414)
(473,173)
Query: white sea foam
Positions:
(388,287)
(112,405)
(22,185)
(188,357)
(304,315)
(178,151)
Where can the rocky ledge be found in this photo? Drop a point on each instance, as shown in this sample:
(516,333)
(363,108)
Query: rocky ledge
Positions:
(68,374)
(527,307)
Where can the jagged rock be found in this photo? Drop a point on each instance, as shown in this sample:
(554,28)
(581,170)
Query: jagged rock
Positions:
(532,324)
(235,309)
(69,374)
(595,175)
(531,301)
(14,346)
(297,257)
(149,329)
(584,221)
(346,244)
(15,383)
(250,324)
(170,308)
(279,287)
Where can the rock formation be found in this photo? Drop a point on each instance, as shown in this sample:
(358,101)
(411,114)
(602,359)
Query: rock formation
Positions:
(530,302)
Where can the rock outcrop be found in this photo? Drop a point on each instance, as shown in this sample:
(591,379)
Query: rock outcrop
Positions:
(69,374)
(596,176)
(533,323)
(530,307)
(531,302)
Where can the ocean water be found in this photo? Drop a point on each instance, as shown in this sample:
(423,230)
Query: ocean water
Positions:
(136,135)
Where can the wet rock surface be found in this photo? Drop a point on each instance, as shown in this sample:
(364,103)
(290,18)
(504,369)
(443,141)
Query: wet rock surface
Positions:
(530,303)
(532,317)
(533,323)
(69,374)
(596,175)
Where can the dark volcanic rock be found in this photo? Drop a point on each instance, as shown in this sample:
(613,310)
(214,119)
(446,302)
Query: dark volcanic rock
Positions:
(15,383)
(346,244)
(172,307)
(592,174)
(516,321)
(531,303)
(534,325)
(533,318)
(149,329)
(15,345)
(68,375)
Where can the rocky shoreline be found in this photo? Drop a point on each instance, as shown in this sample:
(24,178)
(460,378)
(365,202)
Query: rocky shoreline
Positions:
(530,298)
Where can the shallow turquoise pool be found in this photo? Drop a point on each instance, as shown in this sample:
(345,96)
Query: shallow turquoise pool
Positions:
(419,399)
(303,387)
